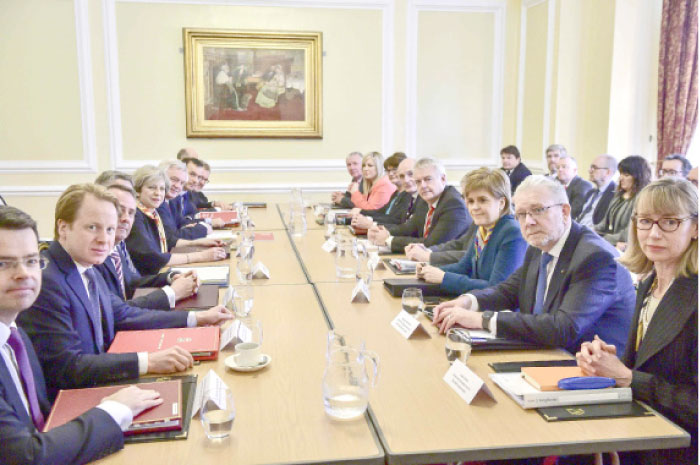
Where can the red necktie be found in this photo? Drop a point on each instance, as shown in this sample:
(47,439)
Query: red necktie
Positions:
(428,220)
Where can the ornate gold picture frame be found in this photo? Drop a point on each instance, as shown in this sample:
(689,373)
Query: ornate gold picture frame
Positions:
(253,83)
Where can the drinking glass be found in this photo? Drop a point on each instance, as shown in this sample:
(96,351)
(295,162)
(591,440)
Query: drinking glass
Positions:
(243,300)
(244,268)
(412,301)
(458,345)
(247,249)
(218,420)
(297,222)
(345,257)
(364,265)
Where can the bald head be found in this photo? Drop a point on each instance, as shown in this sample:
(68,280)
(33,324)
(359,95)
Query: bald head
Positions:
(405,174)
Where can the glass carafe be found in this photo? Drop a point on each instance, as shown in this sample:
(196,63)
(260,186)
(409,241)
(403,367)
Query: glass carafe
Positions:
(346,382)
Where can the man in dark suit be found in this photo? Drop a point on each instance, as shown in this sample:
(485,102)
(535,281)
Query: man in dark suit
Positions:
(569,288)
(121,276)
(23,402)
(396,211)
(353,163)
(577,188)
(598,199)
(440,214)
(73,321)
(514,168)
(199,199)
(172,209)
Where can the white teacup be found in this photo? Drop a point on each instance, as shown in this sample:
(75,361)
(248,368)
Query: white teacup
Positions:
(248,354)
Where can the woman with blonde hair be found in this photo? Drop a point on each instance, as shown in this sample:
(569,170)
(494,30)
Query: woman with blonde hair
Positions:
(660,362)
(376,187)
(498,248)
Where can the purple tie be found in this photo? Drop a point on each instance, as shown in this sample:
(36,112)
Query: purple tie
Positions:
(116,259)
(25,372)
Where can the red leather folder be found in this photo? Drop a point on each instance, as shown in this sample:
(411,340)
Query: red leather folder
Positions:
(266,236)
(206,297)
(229,217)
(167,416)
(357,231)
(202,343)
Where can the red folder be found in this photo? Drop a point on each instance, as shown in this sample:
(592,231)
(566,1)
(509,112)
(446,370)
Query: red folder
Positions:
(167,416)
(202,343)
(267,236)
(228,217)
(206,297)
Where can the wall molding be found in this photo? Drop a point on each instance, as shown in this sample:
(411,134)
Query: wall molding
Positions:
(113,86)
(88,164)
(526,4)
(498,9)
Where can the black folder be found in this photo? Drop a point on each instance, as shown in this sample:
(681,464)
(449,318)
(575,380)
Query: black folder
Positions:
(591,411)
(395,287)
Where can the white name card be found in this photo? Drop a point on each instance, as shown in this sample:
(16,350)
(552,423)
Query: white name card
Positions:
(465,382)
(406,324)
(329,245)
(211,387)
(260,271)
(360,294)
(235,333)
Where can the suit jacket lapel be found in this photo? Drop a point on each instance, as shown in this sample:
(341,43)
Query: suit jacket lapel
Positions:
(529,287)
(12,396)
(669,319)
(555,283)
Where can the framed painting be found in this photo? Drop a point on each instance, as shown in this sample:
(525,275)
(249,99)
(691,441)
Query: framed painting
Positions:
(253,83)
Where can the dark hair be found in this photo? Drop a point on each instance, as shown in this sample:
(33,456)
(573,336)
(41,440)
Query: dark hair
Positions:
(685,164)
(108,177)
(511,150)
(393,161)
(637,167)
(182,154)
(206,166)
(195,161)
(15,219)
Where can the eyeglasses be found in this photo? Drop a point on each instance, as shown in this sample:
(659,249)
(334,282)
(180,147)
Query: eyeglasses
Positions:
(32,263)
(663,172)
(593,168)
(535,212)
(665,224)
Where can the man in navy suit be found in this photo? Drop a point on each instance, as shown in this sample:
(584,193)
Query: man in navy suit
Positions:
(513,166)
(440,215)
(598,199)
(569,288)
(122,277)
(171,210)
(577,188)
(23,402)
(73,321)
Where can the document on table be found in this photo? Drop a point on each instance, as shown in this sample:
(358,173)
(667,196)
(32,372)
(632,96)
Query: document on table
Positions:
(209,274)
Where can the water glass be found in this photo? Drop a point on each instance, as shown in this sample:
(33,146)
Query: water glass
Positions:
(412,301)
(243,300)
(458,345)
(247,249)
(345,257)
(364,265)
(217,420)
(297,222)
(244,268)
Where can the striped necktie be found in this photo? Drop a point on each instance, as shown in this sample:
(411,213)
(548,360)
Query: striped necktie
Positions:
(428,221)
(117,261)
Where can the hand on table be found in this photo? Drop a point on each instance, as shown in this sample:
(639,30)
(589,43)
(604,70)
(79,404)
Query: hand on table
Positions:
(214,316)
(135,399)
(185,284)
(418,252)
(337,196)
(448,317)
(597,358)
(362,222)
(169,360)
(377,235)
(430,274)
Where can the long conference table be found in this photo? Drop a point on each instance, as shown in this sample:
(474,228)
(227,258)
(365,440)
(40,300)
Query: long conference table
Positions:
(414,417)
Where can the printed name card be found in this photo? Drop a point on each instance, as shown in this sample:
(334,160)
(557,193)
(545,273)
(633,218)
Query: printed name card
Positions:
(360,294)
(465,382)
(407,325)
(260,271)
(235,333)
(376,263)
(329,245)
(211,387)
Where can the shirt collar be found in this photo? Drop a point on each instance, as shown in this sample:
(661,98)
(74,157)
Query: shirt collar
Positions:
(81,269)
(556,250)
(605,187)
(5,332)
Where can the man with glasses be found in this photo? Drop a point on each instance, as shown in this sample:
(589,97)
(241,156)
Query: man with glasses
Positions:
(200,200)
(577,188)
(569,289)
(596,204)
(693,176)
(675,165)
(24,406)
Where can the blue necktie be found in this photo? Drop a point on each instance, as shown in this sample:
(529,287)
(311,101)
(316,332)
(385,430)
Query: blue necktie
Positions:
(541,283)
(391,204)
(127,258)
(95,308)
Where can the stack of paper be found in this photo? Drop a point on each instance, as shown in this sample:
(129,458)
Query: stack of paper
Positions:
(209,274)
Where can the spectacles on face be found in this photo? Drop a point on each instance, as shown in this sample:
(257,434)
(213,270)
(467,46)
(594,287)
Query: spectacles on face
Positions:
(535,212)
(595,168)
(665,224)
(663,172)
(32,263)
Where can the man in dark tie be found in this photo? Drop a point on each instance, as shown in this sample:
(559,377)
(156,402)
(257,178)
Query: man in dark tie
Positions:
(598,199)
(577,188)
(569,289)
(513,166)
(440,214)
(23,402)
(121,276)
(73,321)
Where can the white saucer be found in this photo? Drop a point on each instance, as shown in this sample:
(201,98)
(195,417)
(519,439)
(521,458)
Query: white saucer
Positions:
(232,364)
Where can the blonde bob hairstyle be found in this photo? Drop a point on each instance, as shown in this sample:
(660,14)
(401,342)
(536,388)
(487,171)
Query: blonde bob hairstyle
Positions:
(493,181)
(674,197)
(378,163)
(146,174)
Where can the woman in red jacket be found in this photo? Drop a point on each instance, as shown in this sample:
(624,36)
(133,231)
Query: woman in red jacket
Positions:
(376,187)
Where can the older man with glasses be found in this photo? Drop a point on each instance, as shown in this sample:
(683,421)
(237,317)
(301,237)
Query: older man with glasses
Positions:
(675,165)
(569,289)
(598,199)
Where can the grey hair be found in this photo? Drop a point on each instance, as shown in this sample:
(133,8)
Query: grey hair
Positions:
(148,173)
(610,162)
(430,162)
(556,190)
(565,155)
(353,154)
(167,164)
(560,148)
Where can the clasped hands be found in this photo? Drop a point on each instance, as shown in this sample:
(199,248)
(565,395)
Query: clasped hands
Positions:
(456,312)
(597,358)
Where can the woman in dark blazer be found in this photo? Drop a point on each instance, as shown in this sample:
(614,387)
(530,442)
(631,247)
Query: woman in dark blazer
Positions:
(498,247)
(149,242)
(660,362)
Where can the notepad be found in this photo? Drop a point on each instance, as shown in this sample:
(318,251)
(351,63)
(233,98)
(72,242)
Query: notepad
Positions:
(209,274)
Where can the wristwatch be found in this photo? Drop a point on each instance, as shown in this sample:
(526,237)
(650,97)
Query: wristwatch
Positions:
(486,319)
